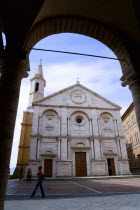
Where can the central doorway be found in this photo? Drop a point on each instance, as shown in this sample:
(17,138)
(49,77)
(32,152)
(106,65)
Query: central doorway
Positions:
(80,164)
(111,166)
(48,167)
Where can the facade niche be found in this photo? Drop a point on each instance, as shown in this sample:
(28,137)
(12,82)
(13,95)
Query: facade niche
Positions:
(107,125)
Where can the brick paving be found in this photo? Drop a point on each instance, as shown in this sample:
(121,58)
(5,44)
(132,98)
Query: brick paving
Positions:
(88,194)
(76,186)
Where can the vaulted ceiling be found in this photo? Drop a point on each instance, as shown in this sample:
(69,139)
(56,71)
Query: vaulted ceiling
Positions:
(19,17)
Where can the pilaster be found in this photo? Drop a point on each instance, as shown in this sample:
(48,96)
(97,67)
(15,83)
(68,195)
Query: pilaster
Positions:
(97,149)
(63,149)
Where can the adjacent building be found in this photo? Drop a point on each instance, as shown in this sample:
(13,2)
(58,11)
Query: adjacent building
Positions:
(75,132)
(132,135)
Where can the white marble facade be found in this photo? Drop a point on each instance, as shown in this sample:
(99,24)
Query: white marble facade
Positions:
(78,120)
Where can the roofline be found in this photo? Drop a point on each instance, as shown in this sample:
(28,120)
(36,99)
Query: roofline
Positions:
(53,94)
(128,110)
(65,89)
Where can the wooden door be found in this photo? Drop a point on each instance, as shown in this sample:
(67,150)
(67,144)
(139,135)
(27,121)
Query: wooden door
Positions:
(111,166)
(48,167)
(80,164)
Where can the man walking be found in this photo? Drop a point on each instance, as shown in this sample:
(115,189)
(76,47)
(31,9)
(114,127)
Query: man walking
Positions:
(39,183)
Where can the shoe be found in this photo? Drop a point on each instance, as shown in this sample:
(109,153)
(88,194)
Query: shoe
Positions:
(32,196)
(43,196)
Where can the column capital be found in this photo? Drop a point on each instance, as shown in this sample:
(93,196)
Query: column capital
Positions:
(130,77)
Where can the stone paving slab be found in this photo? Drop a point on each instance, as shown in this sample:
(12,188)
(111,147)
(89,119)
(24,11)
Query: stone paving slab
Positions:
(82,194)
(83,202)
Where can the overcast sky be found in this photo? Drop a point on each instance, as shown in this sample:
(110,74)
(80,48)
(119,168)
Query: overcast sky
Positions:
(61,70)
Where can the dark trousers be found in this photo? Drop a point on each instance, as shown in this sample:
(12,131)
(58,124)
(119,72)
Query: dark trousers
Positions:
(39,183)
(28,178)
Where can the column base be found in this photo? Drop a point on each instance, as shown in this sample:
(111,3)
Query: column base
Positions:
(124,167)
(64,168)
(98,168)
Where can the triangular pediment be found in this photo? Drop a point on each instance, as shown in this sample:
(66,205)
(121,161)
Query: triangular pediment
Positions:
(76,95)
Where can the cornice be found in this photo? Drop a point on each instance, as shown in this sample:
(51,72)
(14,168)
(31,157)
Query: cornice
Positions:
(79,86)
(123,159)
(98,160)
(79,137)
(75,107)
(31,160)
(83,148)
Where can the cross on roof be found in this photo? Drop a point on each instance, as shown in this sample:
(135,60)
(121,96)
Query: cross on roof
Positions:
(77,81)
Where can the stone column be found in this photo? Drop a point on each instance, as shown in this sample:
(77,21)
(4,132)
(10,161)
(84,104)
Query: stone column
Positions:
(68,123)
(58,142)
(90,127)
(12,70)
(99,129)
(132,79)
(135,90)
(119,148)
(115,127)
(38,148)
(59,126)
(116,139)
(92,149)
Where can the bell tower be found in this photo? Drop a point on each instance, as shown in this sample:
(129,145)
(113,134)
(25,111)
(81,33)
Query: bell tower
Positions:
(37,86)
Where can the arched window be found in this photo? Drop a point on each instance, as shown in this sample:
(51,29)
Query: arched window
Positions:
(36,87)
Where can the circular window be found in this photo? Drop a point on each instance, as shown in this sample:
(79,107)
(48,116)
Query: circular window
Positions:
(79,120)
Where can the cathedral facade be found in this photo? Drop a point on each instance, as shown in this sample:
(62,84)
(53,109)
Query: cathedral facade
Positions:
(75,132)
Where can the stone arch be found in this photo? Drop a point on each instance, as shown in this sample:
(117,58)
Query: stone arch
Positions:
(106,113)
(78,112)
(110,151)
(49,110)
(48,151)
(80,144)
(71,24)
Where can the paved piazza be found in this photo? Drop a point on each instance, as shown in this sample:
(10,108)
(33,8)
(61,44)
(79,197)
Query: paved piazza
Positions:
(111,193)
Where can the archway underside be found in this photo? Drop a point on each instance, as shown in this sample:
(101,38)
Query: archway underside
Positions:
(80,26)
